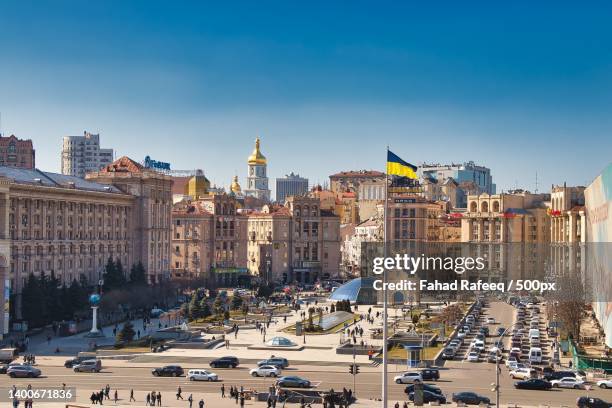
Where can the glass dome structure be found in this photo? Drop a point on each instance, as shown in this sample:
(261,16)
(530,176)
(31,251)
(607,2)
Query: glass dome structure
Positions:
(280,342)
(358,290)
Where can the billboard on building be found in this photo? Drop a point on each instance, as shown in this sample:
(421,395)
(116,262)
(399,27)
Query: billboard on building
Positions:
(598,201)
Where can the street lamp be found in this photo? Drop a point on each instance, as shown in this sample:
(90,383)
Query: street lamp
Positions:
(499,342)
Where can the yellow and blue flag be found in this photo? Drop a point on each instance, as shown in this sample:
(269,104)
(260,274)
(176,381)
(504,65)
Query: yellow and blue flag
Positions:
(398,167)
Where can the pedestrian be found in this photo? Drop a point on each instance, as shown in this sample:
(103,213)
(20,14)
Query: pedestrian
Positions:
(148,399)
(222,390)
(571,364)
(138,334)
(15,403)
(132,395)
(159,399)
(397,405)
(236,396)
(116,396)
(107,392)
(242,400)
(93,398)
(179,393)
(201,403)
(190,399)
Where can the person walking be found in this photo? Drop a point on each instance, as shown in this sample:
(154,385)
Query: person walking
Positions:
(148,399)
(190,399)
(179,393)
(159,399)
(116,396)
(201,403)
(222,390)
(242,400)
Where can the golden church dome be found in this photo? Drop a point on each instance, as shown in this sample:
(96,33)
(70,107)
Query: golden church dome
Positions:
(235,187)
(256,157)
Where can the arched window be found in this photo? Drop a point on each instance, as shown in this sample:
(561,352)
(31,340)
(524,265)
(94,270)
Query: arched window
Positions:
(473,206)
(496,206)
(484,207)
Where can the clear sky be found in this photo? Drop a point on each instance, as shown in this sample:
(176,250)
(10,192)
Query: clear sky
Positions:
(521,88)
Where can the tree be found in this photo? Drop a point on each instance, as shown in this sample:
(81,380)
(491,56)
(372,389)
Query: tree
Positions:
(127,333)
(205,308)
(138,274)
(195,310)
(219,305)
(264,291)
(236,302)
(114,277)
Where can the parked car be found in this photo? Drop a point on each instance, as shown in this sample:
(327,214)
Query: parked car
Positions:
(448,353)
(265,371)
(490,320)
(589,402)
(82,356)
(275,361)
(293,381)
(429,397)
(22,370)
(225,362)
(168,371)
(568,382)
(408,378)
(88,366)
(430,374)
(426,387)
(604,383)
(468,397)
(201,375)
(533,384)
(500,331)
(557,375)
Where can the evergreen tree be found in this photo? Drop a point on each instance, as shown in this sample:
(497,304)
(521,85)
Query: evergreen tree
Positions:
(205,308)
(32,301)
(127,333)
(113,275)
(195,311)
(219,305)
(138,275)
(53,302)
(236,302)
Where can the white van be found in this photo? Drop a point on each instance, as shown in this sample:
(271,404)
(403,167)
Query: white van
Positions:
(535,355)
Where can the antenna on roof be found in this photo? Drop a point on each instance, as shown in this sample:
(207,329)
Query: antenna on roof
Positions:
(536,183)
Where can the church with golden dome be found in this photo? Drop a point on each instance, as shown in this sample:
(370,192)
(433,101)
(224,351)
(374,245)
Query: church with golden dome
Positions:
(257,178)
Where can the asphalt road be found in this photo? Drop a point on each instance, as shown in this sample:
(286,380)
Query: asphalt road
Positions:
(457,375)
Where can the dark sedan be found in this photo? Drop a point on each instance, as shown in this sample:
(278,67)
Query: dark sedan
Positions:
(470,398)
(588,402)
(168,371)
(426,387)
(430,397)
(293,381)
(533,384)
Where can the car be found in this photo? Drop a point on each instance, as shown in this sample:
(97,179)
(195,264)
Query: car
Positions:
(426,387)
(590,402)
(478,345)
(568,382)
(448,353)
(22,370)
(429,397)
(557,375)
(521,373)
(460,334)
(604,383)
(168,371)
(490,320)
(293,381)
(468,397)
(485,330)
(225,362)
(200,374)
(473,357)
(274,361)
(88,366)
(430,374)
(533,384)
(511,360)
(408,377)
(265,371)
(481,336)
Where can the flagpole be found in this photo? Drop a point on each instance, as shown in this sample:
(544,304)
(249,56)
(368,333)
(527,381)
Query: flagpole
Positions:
(385,330)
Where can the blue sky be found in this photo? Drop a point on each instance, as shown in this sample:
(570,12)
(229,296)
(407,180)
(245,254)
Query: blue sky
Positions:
(521,88)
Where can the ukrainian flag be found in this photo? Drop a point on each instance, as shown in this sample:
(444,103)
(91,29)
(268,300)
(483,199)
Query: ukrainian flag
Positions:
(398,167)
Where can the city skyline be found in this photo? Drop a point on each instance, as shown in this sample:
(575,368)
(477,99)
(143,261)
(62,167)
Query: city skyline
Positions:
(517,92)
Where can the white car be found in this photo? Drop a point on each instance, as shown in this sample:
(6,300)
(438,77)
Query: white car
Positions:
(473,357)
(490,320)
(408,378)
(201,375)
(265,371)
(568,382)
(520,373)
(604,383)
(511,361)
(478,346)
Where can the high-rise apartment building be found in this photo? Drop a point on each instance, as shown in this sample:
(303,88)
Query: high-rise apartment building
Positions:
(16,152)
(82,154)
(290,185)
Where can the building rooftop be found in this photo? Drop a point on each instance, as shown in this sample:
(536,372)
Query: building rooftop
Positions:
(46,179)
(359,173)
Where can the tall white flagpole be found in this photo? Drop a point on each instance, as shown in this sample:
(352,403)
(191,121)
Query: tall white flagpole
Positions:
(385,330)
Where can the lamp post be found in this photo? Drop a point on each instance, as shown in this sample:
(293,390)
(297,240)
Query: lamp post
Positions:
(501,337)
